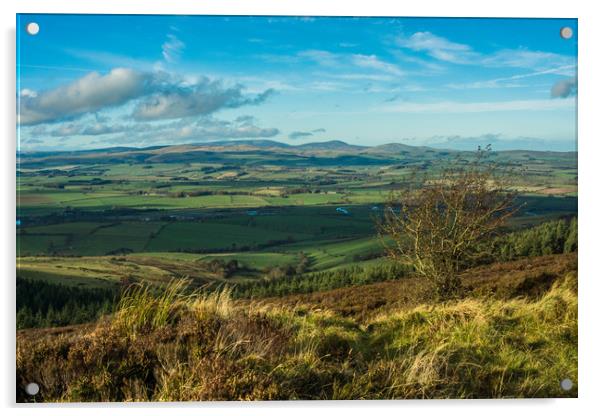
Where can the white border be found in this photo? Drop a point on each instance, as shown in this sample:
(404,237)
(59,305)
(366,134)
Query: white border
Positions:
(590,201)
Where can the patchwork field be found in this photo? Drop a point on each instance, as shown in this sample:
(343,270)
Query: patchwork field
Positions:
(263,207)
(277,247)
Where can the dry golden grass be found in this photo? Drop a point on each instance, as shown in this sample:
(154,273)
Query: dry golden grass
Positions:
(178,346)
(526,277)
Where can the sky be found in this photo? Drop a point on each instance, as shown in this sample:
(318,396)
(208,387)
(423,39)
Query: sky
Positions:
(96,81)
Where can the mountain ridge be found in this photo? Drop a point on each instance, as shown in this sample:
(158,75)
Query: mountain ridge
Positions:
(332,145)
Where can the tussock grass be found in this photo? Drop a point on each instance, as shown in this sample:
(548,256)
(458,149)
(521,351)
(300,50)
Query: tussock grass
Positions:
(477,348)
(143,308)
(177,345)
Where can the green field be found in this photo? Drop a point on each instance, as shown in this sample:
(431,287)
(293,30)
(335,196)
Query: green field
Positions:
(89,219)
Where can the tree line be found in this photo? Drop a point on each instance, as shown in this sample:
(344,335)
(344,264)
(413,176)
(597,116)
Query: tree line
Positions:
(554,237)
(320,281)
(42,304)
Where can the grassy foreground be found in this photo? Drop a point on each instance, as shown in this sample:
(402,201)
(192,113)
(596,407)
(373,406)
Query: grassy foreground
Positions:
(182,347)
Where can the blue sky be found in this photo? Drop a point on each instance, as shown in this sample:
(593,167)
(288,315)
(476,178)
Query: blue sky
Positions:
(90,81)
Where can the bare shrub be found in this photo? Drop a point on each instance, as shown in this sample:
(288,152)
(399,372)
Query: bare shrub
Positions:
(439,223)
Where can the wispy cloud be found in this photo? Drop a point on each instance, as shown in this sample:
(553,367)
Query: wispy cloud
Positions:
(345,61)
(477,107)
(321,57)
(510,81)
(364,76)
(373,62)
(525,58)
(438,47)
(110,59)
(498,142)
(172,48)
(445,50)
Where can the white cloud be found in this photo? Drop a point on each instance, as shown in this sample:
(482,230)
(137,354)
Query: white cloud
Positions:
(25,92)
(158,95)
(109,59)
(87,94)
(438,47)
(373,62)
(506,82)
(446,50)
(172,48)
(477,107)
(497,141)
(368,77)
(327,86)
(187,131)
(345,60)
(140,134)
(524,58)
(202,98)
(324,58)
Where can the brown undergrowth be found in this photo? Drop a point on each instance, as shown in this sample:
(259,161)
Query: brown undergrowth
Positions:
(182,346)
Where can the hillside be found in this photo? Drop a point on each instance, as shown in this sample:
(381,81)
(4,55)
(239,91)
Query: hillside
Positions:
(529,277)
(178,347)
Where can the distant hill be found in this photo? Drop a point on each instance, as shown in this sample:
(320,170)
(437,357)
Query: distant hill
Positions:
(251,143)
(328,153)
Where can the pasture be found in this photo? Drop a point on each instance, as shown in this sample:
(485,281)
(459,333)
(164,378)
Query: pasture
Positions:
(169,212)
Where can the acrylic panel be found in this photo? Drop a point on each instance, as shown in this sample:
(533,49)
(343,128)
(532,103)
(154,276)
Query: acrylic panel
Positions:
(217,208)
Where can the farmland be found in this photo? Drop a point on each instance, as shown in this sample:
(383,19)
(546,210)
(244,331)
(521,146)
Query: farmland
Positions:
(260,203)
(284,238)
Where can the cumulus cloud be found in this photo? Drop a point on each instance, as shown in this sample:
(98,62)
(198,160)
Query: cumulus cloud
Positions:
(564,88)
(65,130)
(202,98)
(172,48)
(140,134)
(158,95)
(186,131)
(87,94)
(98,129)
(86,129)
(25,92)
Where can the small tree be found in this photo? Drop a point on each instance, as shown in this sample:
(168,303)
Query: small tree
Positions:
(440,225)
